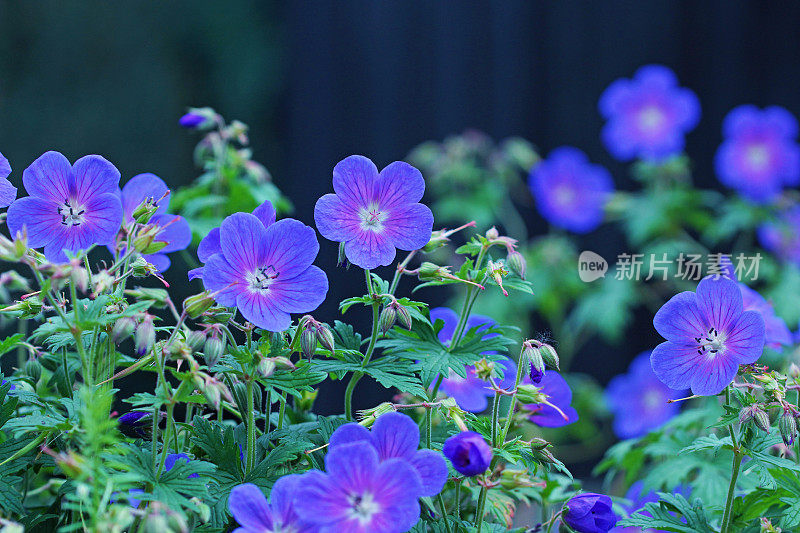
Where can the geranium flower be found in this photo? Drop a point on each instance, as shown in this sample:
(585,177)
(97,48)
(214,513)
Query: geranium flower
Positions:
(8,193)
(374,213)
(266,272)
(776,332)
(470,393)
(559,412)
(571,192)
(589,513)
(250,509)
(760,155)
(782,236)
(648,115)
(359,493)
(468,452)
(709,334)
(638,400)
(396,436)
(176,232)
(70,207)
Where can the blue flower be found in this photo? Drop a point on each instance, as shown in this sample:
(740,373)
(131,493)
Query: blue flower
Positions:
(760,155)
(250,508)
(648,115)
(191,120)
(175,229)
(395,435)
(709,334)
(469,453)
(360,493)
(638,400)
(70,207)
(8,193)
(557,411)
(570,192)
(782,236)
(589,513)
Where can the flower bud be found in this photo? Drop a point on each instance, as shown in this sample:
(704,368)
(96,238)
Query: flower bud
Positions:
(403,316)
(325,337)
(530,394)
(199,118)
(484,369)
(145,336)
(516,263)
(549,356)
(213,350)
(198,304)
(387,318)
(11,527)
(498,272)
(102,282)
(511,479)
(218,315)
(532,356)
(308,341)
(265,367)
(123,328)
(788,427)
(757,415)
(437,240)
(145,210)
(589,512)
(368,416)
(141,268)
(468,452)
(80,277)
(146,242)
(33,369)
(794,371)
(27,308)
(195,340)
(203,510)
(492,233)
(538,443)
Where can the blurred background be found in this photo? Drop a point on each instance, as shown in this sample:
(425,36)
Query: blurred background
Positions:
(318,81)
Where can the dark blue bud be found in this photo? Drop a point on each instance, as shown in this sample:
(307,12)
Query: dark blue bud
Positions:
(191,120)
(589,513)
(468,452)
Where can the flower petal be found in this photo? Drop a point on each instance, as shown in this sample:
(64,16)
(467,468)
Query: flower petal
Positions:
(400,184)
(8,193)
(408,227)
(102,221)
(265,213)
(94,175)
(680,319)
(261,311)
(395,435)
(355,180)
(369,250)
(160,261)
(713,373)
(720,301)
(49,177)
(290,247)
(242,237)
(5,167)
(396,486)
(675,364)
(348,433)
(40,218)
(450,319)
(281,498)
(745,342)
(209,245)
(249,507)
(320,500)
(221,277)
(302,293)
(176,233)
(335,220)
(432,470)
(144,186)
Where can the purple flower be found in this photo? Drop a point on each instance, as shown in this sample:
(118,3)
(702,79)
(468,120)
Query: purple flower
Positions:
(776,332)
(374,213)
(468,452)
(359,493)
(191,120)
(589,513)
(648,115)
(8,193)
(638,400)
(70,207)
(175,230)
(470,393)
(558,411)
(760,155)
(571,192)
(266,272)
(210,245)
(782,236)
(396,436)
(135,424)
(250,508)
(709,334)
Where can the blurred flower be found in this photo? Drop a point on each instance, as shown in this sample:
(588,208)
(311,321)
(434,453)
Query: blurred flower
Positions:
(638,400)
(266,272)
(374,213)
(648,115)
(709,334)
(782,236)
(589,513)
(191,120)
(558,411)
(250,509)
(396,436)
(469,453)
(173,229)
(760,155)
(70,207)
(8,193)
(358,492)
(135,424)
(571,192)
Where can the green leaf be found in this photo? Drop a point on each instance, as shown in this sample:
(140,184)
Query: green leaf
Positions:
(672,513)
(11,342)
(389,371)
(219,444)
(345,336)
(710,442)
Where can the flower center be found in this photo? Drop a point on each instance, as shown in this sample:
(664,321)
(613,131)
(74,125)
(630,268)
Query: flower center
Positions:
(757,156)
(652,399)
(564,195)
(363,507)
(372,218)
(650,118)
(72,213)
(261,278)
(713,342)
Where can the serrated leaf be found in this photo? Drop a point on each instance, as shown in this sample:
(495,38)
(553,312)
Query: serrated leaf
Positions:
(10,342)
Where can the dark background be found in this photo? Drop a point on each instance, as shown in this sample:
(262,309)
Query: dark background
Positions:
(318,81)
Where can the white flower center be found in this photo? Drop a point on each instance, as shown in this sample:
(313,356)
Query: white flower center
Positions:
(372,218)
(712,343)
(261,278)
(564,195)
(72,213)
(652,399)
(363,507)
(757,156)
(650,118)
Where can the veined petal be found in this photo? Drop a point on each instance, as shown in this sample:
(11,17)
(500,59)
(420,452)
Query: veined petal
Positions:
(103,217)
(369,250)
(400,184)
(335,220)
(265,213)
(348,433)
(675,364)
(408,227)
(49,177)
(432,470)
(351,464)
(40,217)
(680,319)
(302,293)
(713,373)
(8,193)
(355,180)
(209,245)
(242,238)
(290,247)
(144,186)
(450,319)
(249,507)
(395,435)
(176,232)
(219,275)
(319,499)
(262,311)
(281,498)
(94,175)
(5,167)
(720,301)
(745,342)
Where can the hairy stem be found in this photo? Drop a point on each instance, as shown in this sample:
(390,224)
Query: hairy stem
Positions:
(737,463)
(251,428)
(356,376)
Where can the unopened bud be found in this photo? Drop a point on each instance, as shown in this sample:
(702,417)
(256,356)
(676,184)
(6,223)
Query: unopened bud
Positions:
(755,414)
(484,369)
(403,316)
(325,337)
(146,241)
(387,318)
(195,340)
(530,394)
(437,240)
(203,510)
(201,118)
(549,356)
(123,329)
(794,371)
(80,277)
(213,350)
(284,363)
(516,263)
(369,416)
(308,341)
(141,268)
(145,336)
(218,315)
(788,427)
(492,233)
(538,443)
(27,308)
(145,210)
(511,479)
(102,282)
(532,356)
(33,369)
(265,368)
(198,304)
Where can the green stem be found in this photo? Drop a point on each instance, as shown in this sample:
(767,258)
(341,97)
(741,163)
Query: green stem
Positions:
(168,432)
(484,490)
(737,463)
(481,509)
(495,418)
(251,429)
(281,410)
(458,498)
(356,376)
(428,427)
(399,272)
(511,407)
(444,513)
(154,436)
